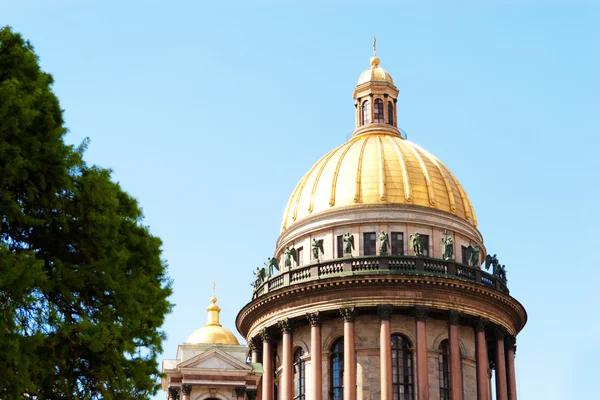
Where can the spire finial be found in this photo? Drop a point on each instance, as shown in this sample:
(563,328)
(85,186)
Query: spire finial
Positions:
(374,59)
(213,299)
(374,46)
(213,309)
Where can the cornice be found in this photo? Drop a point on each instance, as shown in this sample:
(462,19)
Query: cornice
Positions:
(442,294)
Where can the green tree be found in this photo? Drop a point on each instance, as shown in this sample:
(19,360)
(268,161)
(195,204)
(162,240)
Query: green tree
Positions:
(83,289)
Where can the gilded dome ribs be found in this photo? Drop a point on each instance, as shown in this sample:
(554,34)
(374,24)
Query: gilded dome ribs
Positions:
(336,173)
(382,183)
(302,184)
(314,188)
(443,174)
(465,200)
(430,190)
(359,170)
(407,190)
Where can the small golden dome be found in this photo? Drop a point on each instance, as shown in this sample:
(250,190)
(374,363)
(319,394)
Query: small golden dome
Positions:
(212,332)
(377,168)
(375,74)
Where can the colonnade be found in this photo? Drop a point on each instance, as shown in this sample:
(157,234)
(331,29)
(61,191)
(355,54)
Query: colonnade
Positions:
(504,349)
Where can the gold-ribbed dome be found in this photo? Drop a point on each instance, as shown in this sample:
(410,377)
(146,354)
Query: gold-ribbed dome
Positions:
(375,73)
(377,168)
(212,332)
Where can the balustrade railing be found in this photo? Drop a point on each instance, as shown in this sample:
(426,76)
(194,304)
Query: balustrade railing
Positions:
(396,264)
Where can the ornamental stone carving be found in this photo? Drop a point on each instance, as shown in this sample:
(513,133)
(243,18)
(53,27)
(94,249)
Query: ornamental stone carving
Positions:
(453,317)
(186,389)
(286,325)
(420,313)
(173,392)
(479,324)
(385,311)
(265,335)
(251,393)
(240,391)
(348,313)
(314,319)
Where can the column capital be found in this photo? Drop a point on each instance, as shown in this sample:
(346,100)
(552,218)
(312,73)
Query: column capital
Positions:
(510,343)
(286,325)
(314,318)
(499,332)
(420,313)
(251,394)
(265,334)
(479,324)
(348,313)
(186,389)
(453,317)
(240,391)
(173,392)
(385,311)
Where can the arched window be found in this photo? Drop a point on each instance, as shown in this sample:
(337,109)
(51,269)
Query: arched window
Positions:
(336,370)
(390,113)
(402,369)
(299,375)
(378,112)
(366,112)
(444,372)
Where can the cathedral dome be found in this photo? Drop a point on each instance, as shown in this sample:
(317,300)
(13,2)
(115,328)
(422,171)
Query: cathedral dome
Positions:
(377,168)
(212,332)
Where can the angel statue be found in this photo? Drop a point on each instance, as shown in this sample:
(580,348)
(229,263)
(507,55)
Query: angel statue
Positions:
(447,246)
(491,261)
(348,243)
(473,255)
(317,245)
(501,273)
(415,244)
(289,254)
(271,264)
(259,277)
(384,242)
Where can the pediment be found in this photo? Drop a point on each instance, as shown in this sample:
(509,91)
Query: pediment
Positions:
(214,359)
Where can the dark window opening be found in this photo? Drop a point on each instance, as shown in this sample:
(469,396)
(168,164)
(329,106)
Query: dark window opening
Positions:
(397,242)
(390,113)
(299,375)
(336,370)
(378,112)
(366,112)
(340,246)
(402,369)
(463,255)
(300,254)
(369,243)
(425,245)
(444,372)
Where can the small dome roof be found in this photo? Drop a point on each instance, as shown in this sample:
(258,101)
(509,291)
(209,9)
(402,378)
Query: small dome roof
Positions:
(377,168)
(375,74)
(212,332)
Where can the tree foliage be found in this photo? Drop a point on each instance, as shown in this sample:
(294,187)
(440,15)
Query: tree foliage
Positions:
(83,289)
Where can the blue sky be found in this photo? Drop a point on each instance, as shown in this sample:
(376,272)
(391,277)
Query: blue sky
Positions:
(210,114)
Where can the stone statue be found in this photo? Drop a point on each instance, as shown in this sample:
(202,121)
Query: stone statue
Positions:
(289,254)
(415,244)
(384,242)
(501,273)
(491,261)
(348,243)
(271,264)
(447,246)
(259,277)
(317,245)
(473,255)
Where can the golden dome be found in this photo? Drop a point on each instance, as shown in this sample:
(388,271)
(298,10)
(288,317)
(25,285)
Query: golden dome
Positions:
(375,73)
(212,332)
(377,168)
